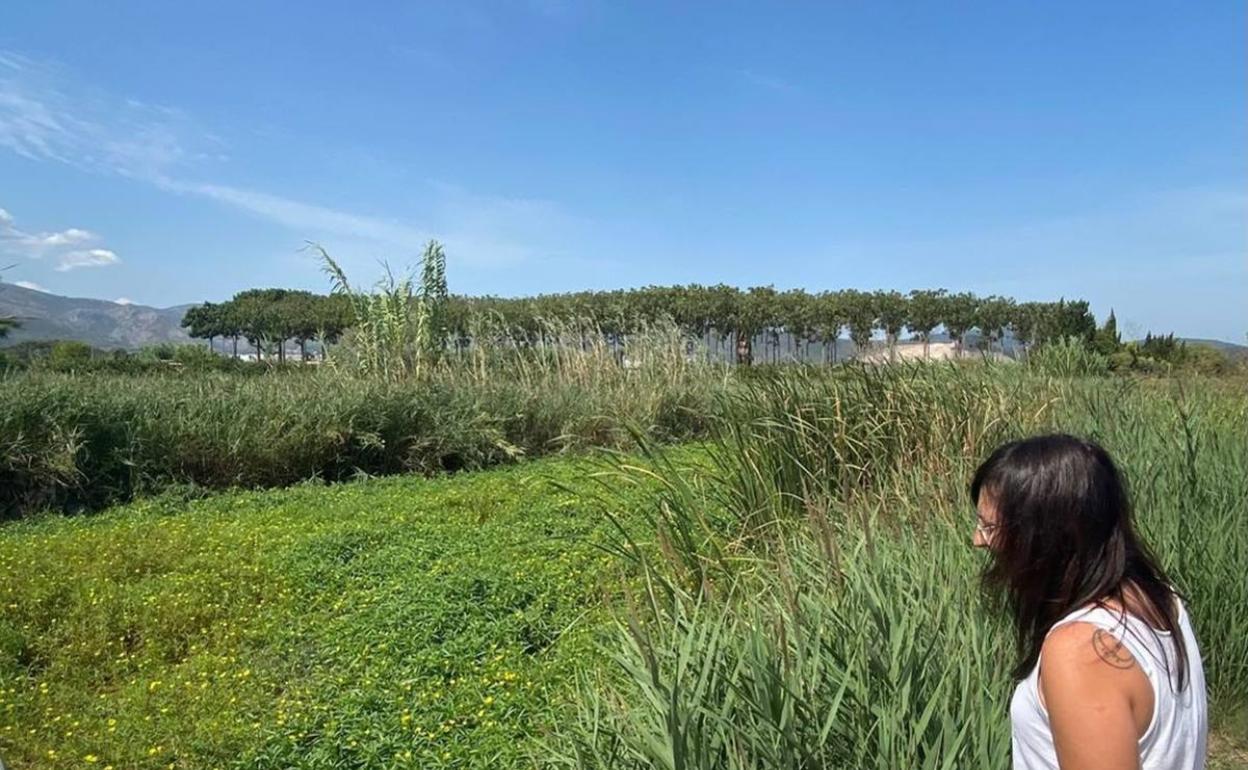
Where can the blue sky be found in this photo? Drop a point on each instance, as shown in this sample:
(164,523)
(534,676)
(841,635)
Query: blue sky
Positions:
(177,152)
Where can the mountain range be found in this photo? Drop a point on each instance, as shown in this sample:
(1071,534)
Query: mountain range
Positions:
(99,323)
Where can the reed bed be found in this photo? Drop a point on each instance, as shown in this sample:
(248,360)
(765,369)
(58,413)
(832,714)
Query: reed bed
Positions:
(83,442)
(810,597)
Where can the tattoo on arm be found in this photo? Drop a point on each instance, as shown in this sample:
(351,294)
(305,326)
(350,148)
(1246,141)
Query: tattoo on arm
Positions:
(1111,650)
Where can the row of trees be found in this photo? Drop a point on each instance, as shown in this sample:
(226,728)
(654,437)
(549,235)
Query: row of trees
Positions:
(268,317)
(743,315)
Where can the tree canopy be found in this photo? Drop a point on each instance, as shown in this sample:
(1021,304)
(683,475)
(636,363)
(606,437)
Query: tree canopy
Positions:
(269,318)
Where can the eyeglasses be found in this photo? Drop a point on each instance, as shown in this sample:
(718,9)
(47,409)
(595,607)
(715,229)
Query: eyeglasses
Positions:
(985,529)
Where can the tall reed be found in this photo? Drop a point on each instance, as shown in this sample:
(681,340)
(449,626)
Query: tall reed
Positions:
(1067,357)
(812,601)
(83,442)
(397,327)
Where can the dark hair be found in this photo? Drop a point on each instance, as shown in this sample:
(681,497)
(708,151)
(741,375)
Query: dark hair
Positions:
(1064,540)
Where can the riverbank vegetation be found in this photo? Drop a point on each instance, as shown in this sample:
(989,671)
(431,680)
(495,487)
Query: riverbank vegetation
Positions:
(796,589)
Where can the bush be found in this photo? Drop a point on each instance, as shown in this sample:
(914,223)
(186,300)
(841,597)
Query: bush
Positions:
(10,362)
(69,356)
(1068,357)
(76,442)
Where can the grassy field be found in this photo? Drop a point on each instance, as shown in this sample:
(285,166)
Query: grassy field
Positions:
(393,623)
(810,601)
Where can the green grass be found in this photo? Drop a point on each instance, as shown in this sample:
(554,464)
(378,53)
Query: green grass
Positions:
(394,623)
(812,599)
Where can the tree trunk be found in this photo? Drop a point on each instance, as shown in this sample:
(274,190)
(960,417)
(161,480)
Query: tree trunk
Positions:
(235,346)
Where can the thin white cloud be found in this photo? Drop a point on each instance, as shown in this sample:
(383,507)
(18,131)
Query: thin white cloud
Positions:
(13,61)
(72,237)
(72,260)
(30,285)
(124,301)
(769,82)
(28,127)
(307,217)
(479,230)
(46,116)
(68,245)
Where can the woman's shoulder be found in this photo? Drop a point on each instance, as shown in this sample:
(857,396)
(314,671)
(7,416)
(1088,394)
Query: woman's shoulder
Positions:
(1088,665)
(1125,614)
(1085,643)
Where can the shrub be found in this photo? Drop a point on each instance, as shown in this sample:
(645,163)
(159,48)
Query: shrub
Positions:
(77,442)
(69,356)
(1067,357)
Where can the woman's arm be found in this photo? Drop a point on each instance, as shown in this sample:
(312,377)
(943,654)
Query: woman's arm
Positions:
(1098,698)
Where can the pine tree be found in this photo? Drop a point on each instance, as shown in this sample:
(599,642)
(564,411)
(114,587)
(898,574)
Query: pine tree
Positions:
(1108,340)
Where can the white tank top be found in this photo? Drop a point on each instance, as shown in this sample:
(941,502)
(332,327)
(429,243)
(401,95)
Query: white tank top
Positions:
(1176,736)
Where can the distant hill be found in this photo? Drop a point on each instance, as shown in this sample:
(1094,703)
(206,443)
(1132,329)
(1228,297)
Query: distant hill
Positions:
(99,323)
(1229,349)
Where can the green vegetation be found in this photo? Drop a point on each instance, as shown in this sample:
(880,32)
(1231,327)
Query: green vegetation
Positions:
(713,314)
(419,380)
(1068,357)
(79,431)
(83,442)
(398,330)
(797,591)
(1165,354)
(71,357)
(813,599)
(268,318)
(398,623)
(420,315)
(405,326)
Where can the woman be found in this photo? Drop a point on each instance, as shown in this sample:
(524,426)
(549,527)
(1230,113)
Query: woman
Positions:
(1109,673)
